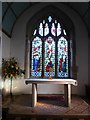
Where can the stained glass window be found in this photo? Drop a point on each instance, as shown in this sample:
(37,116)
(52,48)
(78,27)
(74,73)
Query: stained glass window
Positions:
(41,29)
(36,57)
(53,29)
(49,63)
(62,68)
(58,29)
(46,30)
(50,50)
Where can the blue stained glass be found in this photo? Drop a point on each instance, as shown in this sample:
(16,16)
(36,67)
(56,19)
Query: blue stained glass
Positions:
(36,57)
(62,68)
(49,18)
(49,63)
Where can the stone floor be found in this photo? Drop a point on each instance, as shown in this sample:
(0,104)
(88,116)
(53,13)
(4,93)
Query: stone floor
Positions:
(53,107)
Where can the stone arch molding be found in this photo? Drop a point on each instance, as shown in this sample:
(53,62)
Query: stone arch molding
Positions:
(67,24)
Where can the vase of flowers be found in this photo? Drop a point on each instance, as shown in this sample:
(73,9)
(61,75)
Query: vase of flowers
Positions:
(10,69)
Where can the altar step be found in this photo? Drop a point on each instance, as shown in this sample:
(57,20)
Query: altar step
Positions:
(52,119)
(48,108)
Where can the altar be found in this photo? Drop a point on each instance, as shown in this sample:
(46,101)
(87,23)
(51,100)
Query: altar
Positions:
(66,82)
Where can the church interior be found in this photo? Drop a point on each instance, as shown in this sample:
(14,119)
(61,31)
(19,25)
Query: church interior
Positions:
(44,61)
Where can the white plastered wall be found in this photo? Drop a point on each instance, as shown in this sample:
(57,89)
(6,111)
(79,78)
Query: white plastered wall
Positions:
(18,51)
(5,46)
(0,58)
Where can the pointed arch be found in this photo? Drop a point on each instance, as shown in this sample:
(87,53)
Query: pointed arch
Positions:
(51,24)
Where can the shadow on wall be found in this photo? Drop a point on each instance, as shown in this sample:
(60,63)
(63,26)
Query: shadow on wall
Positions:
(18,87)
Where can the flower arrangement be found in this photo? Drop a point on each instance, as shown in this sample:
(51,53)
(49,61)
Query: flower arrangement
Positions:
(10,69)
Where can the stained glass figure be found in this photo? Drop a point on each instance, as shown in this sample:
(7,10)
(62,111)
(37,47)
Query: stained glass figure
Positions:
(62,68)
(36,57)
(41,29)
(53,29)
(46,30)
(49,64)
(58,29)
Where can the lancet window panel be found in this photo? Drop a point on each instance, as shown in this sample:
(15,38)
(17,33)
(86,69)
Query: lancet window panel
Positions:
(62,68)
(49,62)
(36,68)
